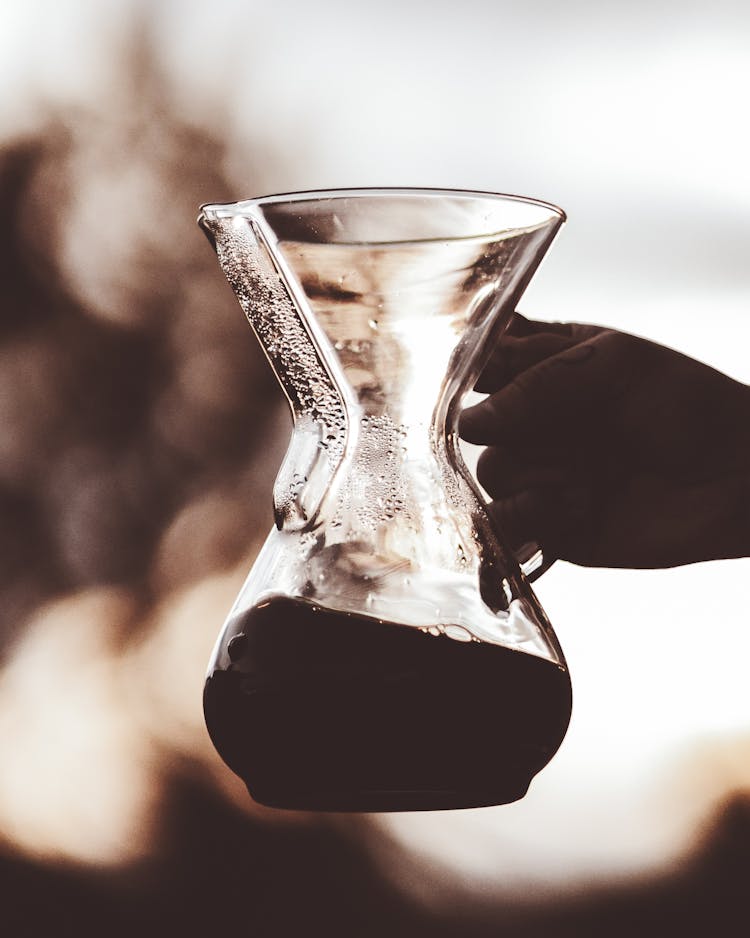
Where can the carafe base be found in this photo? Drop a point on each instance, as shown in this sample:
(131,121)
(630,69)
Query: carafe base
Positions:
(322,710)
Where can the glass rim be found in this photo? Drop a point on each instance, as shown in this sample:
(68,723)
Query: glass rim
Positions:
(243,206)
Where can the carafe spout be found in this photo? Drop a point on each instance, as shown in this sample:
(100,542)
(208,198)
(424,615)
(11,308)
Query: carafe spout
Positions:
(205,227)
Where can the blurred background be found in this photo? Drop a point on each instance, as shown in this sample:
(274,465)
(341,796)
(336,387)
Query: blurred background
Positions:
(140,432)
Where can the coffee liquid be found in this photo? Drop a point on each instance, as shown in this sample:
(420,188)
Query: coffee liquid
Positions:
(322,710)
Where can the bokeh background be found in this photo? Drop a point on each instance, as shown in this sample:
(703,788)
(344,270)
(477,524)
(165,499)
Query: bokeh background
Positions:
(140,431)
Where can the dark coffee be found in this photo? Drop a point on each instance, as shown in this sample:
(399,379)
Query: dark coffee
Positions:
(320,710)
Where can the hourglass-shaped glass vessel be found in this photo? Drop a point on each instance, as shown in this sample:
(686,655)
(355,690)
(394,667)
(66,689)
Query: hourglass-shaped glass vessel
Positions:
(386,651)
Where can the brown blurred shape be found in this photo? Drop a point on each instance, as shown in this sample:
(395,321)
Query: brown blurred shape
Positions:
(130,387)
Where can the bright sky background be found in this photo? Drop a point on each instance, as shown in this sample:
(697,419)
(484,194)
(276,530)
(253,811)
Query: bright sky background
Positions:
(632,117)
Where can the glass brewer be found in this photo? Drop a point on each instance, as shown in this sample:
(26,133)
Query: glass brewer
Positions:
(386,651)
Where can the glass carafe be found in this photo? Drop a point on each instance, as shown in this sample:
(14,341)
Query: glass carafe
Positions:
(386,651)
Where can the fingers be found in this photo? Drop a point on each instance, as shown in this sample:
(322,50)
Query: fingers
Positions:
(520,326)
(526,343)
(559,519)
(502,473)
(549,397)
(538,499)
(514,354)
(511,413)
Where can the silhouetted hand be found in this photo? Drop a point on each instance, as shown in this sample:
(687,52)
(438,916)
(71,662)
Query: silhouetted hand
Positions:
(610,450)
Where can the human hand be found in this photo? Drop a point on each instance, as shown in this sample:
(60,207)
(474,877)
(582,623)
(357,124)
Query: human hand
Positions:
(610,450)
